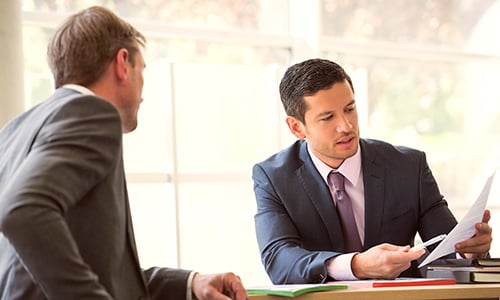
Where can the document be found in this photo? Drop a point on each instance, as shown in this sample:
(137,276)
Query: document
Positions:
(465,228)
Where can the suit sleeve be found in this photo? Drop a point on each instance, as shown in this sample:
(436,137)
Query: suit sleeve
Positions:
(167,283)
(282,254)
(74,149)
(433,206)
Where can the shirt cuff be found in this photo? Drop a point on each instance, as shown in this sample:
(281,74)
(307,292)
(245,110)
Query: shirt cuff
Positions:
(339,267)
(189,292)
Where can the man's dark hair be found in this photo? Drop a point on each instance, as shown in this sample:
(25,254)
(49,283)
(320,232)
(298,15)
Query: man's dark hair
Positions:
(306,79)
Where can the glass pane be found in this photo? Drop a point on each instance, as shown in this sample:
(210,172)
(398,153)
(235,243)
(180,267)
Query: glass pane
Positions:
(148,149)
(185,50)
(154,217)
(432,22)
(37,77)
(447,110)
(217,231)
(226,116)
(259,15)
(231,100)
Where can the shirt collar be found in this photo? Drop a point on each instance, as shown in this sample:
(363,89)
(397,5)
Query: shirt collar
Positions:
(350,168)
(79,88)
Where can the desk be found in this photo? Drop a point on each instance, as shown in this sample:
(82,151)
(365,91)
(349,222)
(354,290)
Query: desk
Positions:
(448,292)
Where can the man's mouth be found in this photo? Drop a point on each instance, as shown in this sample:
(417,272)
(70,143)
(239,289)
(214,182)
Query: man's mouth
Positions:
(346,140)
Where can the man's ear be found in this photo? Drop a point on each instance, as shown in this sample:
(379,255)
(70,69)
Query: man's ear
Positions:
(122,61)
(296,127)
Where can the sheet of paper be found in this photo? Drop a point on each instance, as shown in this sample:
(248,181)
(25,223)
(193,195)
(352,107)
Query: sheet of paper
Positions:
(465,229)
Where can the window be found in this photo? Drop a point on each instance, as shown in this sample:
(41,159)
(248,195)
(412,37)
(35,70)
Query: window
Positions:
(424,72)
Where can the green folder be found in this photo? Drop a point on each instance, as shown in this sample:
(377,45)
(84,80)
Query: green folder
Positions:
(292,290)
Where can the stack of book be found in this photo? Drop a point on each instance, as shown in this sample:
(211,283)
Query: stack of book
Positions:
(466,270)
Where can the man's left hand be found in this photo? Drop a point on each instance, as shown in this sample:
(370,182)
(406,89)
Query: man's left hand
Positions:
(478,246)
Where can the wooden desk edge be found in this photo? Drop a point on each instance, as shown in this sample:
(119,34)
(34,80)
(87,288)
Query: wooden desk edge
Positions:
(457,291)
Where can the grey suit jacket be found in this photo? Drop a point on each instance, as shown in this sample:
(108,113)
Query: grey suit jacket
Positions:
(297,225)
(66,230)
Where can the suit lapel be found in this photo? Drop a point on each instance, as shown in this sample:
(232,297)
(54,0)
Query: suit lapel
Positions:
(373,177)
(318,193)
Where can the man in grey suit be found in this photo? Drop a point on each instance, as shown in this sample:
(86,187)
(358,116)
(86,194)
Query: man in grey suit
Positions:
(301,236)
(66,229)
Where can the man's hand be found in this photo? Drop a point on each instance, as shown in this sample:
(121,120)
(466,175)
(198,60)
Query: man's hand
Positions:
(224,286)
(479,244)
(384,261)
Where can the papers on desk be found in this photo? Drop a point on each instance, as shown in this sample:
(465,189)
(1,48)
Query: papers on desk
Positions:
(465,229)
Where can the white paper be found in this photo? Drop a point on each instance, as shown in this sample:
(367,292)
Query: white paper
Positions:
(465,229)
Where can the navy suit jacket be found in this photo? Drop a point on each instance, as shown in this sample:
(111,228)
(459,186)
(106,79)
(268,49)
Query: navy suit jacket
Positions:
(65,223)
(297,225)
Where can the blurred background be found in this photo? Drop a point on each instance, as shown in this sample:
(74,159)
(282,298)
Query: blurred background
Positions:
(426,75)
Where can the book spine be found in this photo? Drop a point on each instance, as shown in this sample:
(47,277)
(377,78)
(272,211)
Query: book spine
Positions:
(459,276)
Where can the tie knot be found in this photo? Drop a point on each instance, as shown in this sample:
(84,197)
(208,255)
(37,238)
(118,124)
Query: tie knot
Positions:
(336,180)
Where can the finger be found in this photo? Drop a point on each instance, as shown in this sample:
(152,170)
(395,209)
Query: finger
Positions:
(405,248)
(486,216)
(480,248)
(416,254)
(238,292)
(483,229)
(390,247)
(405,257)
(232,283)
(479,244)
(214,294)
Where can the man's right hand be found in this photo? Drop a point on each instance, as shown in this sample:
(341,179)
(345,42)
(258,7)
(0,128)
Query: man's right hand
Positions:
(384,261)
(222,286)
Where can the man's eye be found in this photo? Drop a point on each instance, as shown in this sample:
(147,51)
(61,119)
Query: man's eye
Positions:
(327,118)
(350,108)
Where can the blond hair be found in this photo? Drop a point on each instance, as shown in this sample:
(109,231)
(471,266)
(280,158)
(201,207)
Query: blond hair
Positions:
(84,45)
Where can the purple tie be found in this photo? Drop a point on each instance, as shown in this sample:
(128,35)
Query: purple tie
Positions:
(344,209)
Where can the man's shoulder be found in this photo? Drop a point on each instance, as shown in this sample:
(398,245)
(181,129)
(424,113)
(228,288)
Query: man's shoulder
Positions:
(286,158)
(67,97)
(62,104)
(386,147)
(390,154)
(59,99)
(67,105)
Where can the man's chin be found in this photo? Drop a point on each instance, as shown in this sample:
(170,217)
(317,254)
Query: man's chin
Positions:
(126,128)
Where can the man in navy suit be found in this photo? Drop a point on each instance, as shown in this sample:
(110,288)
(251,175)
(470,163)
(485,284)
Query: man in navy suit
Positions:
(393,193)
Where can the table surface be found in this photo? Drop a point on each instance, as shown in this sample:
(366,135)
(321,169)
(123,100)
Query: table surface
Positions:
(448,292)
